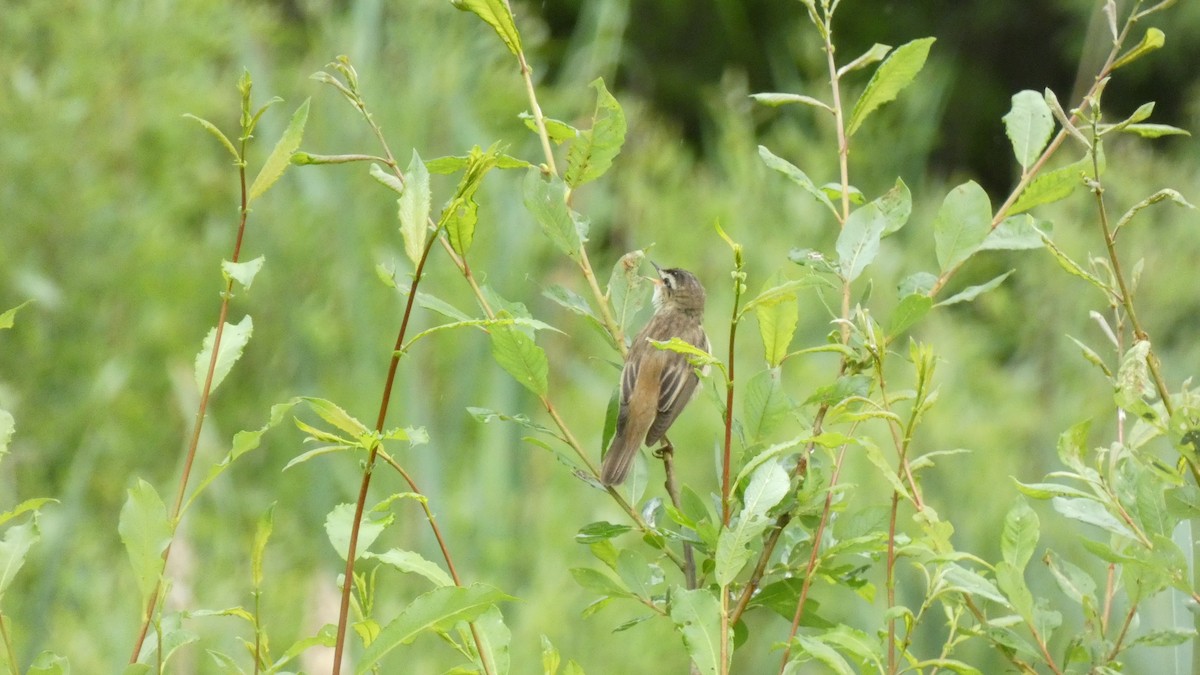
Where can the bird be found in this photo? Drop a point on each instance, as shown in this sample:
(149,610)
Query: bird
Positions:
(656,383)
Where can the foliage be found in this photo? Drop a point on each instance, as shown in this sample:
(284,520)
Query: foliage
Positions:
(839,533)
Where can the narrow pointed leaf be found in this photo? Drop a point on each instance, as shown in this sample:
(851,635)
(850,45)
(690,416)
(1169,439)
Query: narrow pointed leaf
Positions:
(1052,186)
(281,156)
(494,13)
(520,356)
(798,177)
(220,136)
(910,310)
(775,100)
(433,612)
(233,340)
(1020,535)
(971,292)
(892,76)
(414,208)
(15,545)
(411,561)
(1153,39)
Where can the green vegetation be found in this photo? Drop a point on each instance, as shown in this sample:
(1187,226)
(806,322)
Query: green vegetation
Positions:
(946,427)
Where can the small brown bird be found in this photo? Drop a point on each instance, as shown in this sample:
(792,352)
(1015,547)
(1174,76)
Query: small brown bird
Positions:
(656,383)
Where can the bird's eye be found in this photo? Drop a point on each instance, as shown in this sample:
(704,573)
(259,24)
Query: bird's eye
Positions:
(669,280)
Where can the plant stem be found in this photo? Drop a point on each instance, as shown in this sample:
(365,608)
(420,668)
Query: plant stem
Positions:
(13,667)
(360,504)
(202,408)
(813,560)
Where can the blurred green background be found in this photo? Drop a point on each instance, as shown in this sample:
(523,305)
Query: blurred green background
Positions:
(117,212)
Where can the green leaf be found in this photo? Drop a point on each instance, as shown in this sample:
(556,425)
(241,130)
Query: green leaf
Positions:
(496,14)
(1155,198)
(766,405)
(17,541)
(520,356)
(557,130)
(546,200)
(413,562)
(550,658)
(896,207)
(814,648)
(892,76)
(696,356)
(242,272)
(872,55)
(29,505)
(639,576)
(593,151)
(1072,445)
(627,290)
(261,535)
(918,283)
(777,316)
(1017,233)
(6,319)
(1153,39)
(597,582)
(768,486)
(1073,267)
(1155,130)
(1133,376)
(697,617)
(970,582)
(1051,186)
(798,177)
(775,100)
(7,426)
(962,224)
(414,208)
(388,180)
(281,156)
(496,639)
(233,340)
(1092,512)
(1072,580)
(1011,582)
(971,292)
(49,663)
(910,310)
(220,136)
(461,213)
(337,416)
(243,442)
(339,522)
(600,531)
(436,611)
(1028,124)
(145,531)
(858,242)
(1020,535)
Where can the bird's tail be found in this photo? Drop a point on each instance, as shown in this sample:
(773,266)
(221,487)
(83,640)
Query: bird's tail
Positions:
(618,460)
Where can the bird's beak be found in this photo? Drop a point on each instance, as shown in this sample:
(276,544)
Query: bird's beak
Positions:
(658,271)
